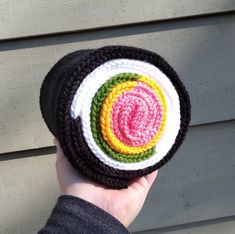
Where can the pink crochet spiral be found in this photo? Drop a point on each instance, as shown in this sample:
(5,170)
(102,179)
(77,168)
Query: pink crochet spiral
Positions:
(136,115)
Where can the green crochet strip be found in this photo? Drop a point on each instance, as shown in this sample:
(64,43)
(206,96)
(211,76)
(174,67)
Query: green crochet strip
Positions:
(95,125)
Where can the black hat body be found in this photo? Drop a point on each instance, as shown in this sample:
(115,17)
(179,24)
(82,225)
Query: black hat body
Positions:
(119,112)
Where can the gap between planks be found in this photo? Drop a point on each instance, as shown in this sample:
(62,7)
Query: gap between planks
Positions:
(51,150)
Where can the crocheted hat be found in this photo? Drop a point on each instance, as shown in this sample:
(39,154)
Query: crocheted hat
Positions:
(119,112)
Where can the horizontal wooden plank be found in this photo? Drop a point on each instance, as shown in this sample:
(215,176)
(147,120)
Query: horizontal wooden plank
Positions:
(213,227)
(28,191)
(200,50)
(29,18)
(196,185)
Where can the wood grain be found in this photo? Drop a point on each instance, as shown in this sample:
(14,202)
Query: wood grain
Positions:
(196,185)
(200,50)
(32,18)
(213,226)
(28,192)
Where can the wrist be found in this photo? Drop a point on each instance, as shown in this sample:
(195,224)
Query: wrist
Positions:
(88,193)
(93,197)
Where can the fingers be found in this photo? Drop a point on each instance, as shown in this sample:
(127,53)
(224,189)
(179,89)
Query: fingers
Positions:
(151,177)
(63,166)
(143,183)
(62,163)
(56,142)
(59,151)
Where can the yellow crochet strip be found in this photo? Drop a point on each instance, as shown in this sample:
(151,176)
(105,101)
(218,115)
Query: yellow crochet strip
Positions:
(105,116)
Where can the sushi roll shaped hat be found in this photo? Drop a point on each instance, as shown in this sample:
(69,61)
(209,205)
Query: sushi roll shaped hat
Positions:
(118,112)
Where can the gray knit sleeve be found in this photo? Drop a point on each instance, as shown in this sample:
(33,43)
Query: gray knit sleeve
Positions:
(74,215)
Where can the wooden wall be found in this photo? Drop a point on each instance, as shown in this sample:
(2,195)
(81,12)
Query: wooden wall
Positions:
(194,193)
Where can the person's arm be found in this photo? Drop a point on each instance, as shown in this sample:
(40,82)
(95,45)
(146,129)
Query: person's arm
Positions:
(74,215)
(84,200)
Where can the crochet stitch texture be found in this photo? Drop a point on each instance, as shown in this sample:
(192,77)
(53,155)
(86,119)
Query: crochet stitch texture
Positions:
(119,112)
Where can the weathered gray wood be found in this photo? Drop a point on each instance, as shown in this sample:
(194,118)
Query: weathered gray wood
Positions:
(213,227)
(28,191)
(201,50)
(196,185)
(29,18)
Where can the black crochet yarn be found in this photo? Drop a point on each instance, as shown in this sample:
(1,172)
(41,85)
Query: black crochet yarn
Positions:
(58,90)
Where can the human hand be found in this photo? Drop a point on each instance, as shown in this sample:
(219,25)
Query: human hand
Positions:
(124,204)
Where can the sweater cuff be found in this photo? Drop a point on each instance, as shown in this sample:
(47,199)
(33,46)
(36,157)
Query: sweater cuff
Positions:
(75,215)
